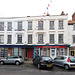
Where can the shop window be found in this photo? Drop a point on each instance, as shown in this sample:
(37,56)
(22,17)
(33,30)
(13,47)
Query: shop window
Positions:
(58,52)
(17,52)
(3,52)
(53,52)
(62,51)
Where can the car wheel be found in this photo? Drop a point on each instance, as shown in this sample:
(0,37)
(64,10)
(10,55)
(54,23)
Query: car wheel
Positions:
(2,62)
(66,67)
(39,66)
(17,62)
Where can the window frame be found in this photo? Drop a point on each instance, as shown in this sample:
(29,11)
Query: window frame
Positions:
(29,25)
(51,25)
(61,26)
(29,38)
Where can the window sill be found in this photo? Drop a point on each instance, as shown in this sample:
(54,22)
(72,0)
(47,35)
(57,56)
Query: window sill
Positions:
(40,42)
(19,43)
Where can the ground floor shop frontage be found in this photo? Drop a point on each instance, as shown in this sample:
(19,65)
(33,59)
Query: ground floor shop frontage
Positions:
(31,51)
(51,50)
(12,50)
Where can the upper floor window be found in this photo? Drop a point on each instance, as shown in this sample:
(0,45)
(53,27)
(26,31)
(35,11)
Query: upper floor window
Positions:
(51,24)
(40,38)
(19,26)
(60,38)
(61,24)
(73,38)
(9,39)
(30,39)
(1,39)
(9,26)
(1,26)
(52,38)
(29,25)
(73,26)
(19,39)
(40,25)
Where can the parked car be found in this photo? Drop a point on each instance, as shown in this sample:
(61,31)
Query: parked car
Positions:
(12,59)
(65,61)
(43,61)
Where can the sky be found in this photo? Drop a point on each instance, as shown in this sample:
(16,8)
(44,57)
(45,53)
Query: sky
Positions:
(21,8)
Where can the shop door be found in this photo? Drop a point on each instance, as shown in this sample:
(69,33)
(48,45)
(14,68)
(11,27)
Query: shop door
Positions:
(36,52)
(72,53)
(30,52)
(53,53)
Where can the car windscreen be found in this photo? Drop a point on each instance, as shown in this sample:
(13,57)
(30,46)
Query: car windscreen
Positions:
(46,58)
(20,56)
(72,58)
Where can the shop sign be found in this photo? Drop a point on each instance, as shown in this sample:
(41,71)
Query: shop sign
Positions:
(51,46)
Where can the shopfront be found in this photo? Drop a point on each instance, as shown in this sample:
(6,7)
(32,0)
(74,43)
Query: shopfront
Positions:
(72,51)
(51,50)
(12,50)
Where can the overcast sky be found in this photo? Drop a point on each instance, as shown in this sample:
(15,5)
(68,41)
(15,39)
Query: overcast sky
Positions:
(19,8)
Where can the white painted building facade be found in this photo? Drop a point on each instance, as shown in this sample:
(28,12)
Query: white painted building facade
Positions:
(35,35)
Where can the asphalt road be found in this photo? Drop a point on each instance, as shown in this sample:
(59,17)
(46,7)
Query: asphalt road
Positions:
(30,69)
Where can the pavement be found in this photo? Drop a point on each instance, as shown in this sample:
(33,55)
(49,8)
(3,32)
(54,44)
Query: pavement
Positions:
(28,61)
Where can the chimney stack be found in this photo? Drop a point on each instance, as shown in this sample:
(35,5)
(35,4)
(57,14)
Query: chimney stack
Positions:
(73,17)
(62,13)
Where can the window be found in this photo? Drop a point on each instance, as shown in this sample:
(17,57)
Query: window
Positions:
(1,39)
(53,52)
(9,39)
(3,52)
(73,38)
(40,25)
(51,24)
(1,26)
(19,26)
(40,38)
(29,39)
(19,37)
(16,52)
(9,26)
(60,39)
(73,26)
(29,25)
(51,38)
(62,51)
(60,24)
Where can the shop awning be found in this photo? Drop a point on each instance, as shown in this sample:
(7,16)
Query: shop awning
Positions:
(51,46)
(12,46)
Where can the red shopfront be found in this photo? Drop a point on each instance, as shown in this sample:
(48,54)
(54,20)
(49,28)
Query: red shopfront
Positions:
(53,50)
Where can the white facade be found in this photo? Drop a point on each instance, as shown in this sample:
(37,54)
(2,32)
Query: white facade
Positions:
(14,31)
(49,49)
(46,31)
